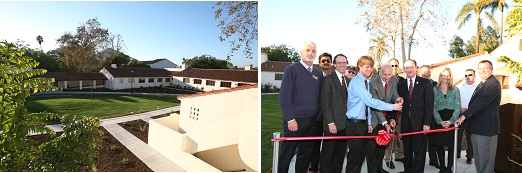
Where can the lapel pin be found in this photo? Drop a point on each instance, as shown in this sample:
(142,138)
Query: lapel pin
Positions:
(315,77)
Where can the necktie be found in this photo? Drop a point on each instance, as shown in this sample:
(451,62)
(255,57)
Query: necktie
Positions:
(411,87)
(344,87)
(366,107)
(385,87)
(478,88)
(310,69)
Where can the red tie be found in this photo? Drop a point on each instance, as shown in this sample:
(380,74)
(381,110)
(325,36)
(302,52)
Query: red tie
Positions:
(344,87)
(385,87)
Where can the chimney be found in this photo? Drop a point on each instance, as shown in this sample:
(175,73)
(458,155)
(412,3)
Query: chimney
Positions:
(264,57)
(114,66)
(248,67)
(184,66)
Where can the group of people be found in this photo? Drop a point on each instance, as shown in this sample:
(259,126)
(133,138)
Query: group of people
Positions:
(339,100)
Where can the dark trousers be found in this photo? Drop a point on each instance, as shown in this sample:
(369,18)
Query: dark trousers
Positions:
(332,155)
(355,157)
(441,153)
(414,149)
(316,153)
(374,152)
(432,151)
(469,151)
(306,127)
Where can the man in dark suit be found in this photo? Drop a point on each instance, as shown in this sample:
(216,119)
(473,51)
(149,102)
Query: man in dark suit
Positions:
(425,72)
(383,87)
(483,118)
(333,99)
(416,116)
(299,102)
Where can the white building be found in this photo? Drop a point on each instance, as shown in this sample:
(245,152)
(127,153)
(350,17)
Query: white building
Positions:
(214,79)
(215,131)
(160,63)
(76,80)
(272,72)
(134,77)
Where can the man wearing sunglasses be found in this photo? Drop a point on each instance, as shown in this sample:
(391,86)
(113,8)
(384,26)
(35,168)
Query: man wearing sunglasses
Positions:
(466,91)
(325,66)
(351,71)
(397,147)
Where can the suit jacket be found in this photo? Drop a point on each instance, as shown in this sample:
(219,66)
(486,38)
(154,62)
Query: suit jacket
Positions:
(377,91)
(333,101)
(482,114)
(418,109)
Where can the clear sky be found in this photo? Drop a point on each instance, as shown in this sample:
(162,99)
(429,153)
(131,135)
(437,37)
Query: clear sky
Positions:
(151,30)
(331,25)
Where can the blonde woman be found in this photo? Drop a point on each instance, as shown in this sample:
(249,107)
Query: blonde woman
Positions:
(446,111)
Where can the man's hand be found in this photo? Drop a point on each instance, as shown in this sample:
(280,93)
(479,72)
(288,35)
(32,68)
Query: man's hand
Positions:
(397,106)
(370,129)
(292,126)
(388,128)
(463,109)
(392,123)
(400,100)
(460,120)
(425,128)
(332,128)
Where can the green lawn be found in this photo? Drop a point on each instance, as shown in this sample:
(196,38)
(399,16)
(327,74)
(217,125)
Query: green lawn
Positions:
(98,105)
(271,121)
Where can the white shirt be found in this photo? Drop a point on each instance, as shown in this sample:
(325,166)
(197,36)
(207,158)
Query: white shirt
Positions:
(340,77)
(306,66)
(466,91)
(413,80)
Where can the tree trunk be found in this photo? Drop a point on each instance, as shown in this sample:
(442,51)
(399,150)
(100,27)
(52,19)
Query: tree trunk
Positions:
(501,22)
(403,49)
(477,48)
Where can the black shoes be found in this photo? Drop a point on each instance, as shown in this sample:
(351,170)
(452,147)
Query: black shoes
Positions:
(458,156)
(435,164)
(390,165)
(469,161)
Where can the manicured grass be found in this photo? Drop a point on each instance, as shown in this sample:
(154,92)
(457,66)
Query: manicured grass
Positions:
(103,106)
(271,121)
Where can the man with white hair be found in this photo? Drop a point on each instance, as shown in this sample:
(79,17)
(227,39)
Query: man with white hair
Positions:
(299,102)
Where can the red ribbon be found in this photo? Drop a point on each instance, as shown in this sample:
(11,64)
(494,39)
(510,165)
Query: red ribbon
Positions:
(382,138)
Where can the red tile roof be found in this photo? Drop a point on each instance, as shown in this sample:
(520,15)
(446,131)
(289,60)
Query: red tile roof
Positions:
(244,87)
(69,76)
(456,60)
(274,66)
(137,72)
(249,76)
(153,61)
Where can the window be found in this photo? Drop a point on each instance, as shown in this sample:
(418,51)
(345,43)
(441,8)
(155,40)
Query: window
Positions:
(278,76)
(160,80)
(194,113)
(186,80)
(226,84)
(151,80)
(241,84)
(121,80)
(211,82)
(141,80)
(167,79)
(197,81)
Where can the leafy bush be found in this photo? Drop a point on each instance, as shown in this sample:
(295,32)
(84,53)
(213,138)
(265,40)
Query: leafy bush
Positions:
(269,88)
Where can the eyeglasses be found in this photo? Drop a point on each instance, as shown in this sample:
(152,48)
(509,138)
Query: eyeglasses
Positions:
(395,65)
(352,72)
(466,75)
(325,61)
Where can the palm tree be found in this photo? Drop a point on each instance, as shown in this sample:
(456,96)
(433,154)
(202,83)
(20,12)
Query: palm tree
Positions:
(502,4)
(378,49)
(39,39)
(476,8)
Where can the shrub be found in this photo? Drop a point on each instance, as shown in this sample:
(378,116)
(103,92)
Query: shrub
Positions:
(125,161)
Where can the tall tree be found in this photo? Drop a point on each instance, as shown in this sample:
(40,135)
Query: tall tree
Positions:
(83,50)
(502,4)
(119,59)
(39,39)
(378,48)
(514,19)
(457,47)
(207,62)
(404,21)
(239,22)
(476,8)
(281,53)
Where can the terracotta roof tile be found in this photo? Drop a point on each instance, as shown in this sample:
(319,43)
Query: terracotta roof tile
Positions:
(137,72)
(274,66)
(244,87)
(249,76)
(456,60)
(69,76)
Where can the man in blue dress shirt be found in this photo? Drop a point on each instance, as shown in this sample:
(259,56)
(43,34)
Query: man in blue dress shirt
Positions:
(359,120)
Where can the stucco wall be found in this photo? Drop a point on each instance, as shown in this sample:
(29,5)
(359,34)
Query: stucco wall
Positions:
(217,83)
(269,77)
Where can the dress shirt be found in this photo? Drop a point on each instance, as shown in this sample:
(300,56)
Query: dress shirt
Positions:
(306,66)
(466,91)
(359,99)
(413,80)
(340,77)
